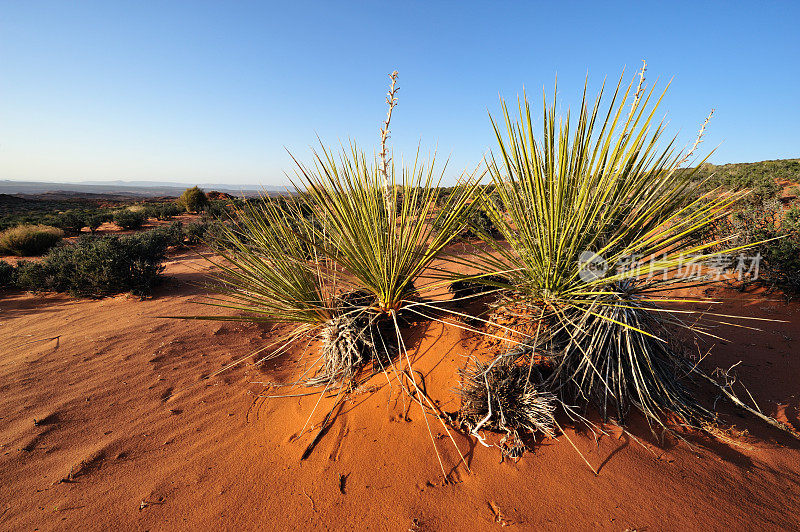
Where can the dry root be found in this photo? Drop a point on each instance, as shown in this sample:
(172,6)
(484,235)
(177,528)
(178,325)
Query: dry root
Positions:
(500,396)
(349,342)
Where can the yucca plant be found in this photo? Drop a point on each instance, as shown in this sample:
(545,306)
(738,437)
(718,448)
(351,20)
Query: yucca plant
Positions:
(343,262)
(602,190)
(345,259)
(378,228)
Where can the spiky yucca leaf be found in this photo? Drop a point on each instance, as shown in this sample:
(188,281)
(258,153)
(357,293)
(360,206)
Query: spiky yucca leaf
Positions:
(380,228)
(267,266)
(612,192)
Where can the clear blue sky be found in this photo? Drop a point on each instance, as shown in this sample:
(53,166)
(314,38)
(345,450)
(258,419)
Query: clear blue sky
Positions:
(198,91)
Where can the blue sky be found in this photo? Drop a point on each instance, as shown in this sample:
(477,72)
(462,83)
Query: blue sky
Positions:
(217,91)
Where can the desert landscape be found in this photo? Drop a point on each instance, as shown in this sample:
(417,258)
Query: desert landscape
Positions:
(116,414)
(111,419)
(418,267)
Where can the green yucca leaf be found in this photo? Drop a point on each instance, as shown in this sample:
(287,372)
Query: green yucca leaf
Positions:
(382,236)
(265,268)
(613,192)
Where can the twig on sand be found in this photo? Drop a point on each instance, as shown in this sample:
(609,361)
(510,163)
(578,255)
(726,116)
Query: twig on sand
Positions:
(313,505)
(56,338)
(788,429)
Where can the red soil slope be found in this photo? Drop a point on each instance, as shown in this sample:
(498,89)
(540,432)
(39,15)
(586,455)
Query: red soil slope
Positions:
(109,419)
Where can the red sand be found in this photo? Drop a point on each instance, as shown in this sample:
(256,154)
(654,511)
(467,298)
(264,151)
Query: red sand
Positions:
(115,424)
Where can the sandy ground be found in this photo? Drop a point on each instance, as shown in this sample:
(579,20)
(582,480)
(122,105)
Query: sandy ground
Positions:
(110,418)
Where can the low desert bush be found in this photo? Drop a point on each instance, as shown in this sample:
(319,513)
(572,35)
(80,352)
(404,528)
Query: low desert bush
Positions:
(94,221)
(773,235)
(96,267)
(7,275)
(162,211)
(29,240)
(129,219)
(165,236)
(479,225)
(193,199)
(195,232)
(71,222)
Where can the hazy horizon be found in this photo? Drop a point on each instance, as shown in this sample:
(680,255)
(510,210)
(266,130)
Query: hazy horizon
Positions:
(213,92)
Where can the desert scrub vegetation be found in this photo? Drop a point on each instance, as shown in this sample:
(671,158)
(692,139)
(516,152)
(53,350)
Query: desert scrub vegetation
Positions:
(774,234)
(760,178)
(16,211)
(478,226)
(130,219)
(7,275)
(29,240)
(94,221)
(162,211)
(193,199)
(101,266)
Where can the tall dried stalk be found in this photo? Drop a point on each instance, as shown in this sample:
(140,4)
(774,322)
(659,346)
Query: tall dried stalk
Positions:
(391,100)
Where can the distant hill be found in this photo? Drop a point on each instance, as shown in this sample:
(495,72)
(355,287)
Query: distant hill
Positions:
(765,178)
(126,189)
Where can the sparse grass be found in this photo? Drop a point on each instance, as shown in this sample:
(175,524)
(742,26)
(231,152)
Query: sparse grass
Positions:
(29,240)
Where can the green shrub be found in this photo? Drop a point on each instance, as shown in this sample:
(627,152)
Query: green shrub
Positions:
(195,232)
(7,275)
(479,225)
(29,240)
(96,267)
(31,276)
(193,199)
(93,221)
(167,235)
(70,222)
(128,219)
(218,208)
(759,177)
(779,265)
(162,211)
(168,210)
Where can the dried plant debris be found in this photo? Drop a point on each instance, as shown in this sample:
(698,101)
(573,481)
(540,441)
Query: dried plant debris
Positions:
(501,395)
(351,340)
